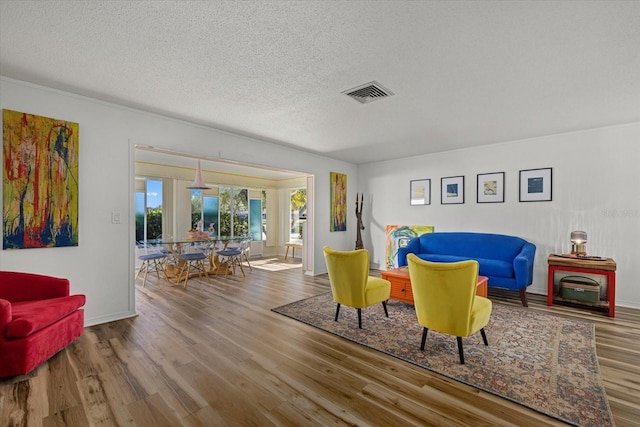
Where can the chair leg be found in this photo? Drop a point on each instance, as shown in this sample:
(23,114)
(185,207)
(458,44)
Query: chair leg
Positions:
(337,312)
(139,271)
(227,267)
(146,271)
(180,268)
(156,266)
(187,265)
(484,337)
(360,318)
(234,264)
(144,266)
(384,304)
(204,270)
(460,351)
(239,262)
(424,338)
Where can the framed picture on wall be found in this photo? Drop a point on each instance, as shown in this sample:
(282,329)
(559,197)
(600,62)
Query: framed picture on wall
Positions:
(535,185)
(452,190)
(338,201)
(420,192)
(40,188)
(491,187)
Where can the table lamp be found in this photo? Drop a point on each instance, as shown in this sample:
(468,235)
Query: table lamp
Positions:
(578,242)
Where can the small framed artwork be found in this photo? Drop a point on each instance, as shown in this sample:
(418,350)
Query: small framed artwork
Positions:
(535,185)
(491,187)
(452,190)
(420,192)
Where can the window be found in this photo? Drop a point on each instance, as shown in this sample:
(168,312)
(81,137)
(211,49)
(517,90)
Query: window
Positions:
(255,219)
(148,207)
(240,211)
(210,209)
(196,208)
(140,217)
(224,215)
(298,212)
(264,215)
(205,208)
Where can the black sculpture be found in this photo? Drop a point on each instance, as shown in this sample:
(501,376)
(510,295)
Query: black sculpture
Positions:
(359,244)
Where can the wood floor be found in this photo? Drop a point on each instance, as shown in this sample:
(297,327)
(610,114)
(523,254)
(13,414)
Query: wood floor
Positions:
(215,355)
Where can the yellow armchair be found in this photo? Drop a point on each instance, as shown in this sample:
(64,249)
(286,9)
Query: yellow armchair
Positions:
(350,282)
(446,301)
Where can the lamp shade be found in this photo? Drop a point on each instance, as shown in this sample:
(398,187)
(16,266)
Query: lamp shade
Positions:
(198,183)
(578,243)
(578,237)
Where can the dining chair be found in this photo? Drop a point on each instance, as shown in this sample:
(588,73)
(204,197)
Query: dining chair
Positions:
(231,257)
(192,259)
(165,245)
(152,261)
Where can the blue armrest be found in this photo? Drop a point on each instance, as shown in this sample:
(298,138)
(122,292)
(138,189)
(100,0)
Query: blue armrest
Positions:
(413,247)
(523,265)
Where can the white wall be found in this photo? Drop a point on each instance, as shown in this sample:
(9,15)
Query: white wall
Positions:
(595,189)
(600,197)
(102,266)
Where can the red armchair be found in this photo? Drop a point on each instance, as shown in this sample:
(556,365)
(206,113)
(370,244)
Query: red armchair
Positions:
(38,318)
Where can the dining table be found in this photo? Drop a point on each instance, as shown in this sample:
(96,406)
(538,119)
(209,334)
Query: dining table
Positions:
(210,246)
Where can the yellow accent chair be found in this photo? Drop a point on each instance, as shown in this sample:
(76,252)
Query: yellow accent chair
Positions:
(350,282)
(446,301)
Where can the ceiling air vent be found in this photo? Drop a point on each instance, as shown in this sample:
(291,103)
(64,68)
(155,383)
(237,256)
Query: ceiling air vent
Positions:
(368,92)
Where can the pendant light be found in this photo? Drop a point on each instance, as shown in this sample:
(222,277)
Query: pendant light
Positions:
(198,183)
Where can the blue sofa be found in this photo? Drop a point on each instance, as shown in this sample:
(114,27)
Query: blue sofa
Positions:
(506,260)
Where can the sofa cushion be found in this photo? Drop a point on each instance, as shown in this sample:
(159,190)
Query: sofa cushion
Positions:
(31,316)
(488,267)
(495,268)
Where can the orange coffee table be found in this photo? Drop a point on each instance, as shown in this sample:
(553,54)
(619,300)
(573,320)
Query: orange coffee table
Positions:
(401,284)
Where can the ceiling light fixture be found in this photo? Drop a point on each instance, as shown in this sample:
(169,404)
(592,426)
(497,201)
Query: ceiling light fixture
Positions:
(198,183)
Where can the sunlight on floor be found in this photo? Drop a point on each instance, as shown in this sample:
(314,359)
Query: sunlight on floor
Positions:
(274,264)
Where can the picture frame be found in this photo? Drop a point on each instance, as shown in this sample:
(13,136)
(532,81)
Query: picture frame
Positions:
(337,201)
(420,192)
(536,185)
(490,187)
(452,190)
(40,210)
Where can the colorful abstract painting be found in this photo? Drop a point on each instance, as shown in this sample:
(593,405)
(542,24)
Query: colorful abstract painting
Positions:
(39,181)
(338,202)
(398,236)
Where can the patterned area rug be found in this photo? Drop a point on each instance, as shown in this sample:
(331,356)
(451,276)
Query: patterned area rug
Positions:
(544,362)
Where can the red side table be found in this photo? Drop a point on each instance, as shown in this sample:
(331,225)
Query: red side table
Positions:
(574,264)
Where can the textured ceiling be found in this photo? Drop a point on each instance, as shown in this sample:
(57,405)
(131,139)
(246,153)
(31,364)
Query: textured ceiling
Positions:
(463,73)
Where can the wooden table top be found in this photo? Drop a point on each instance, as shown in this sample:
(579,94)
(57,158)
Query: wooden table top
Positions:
(397,272)
(607,264)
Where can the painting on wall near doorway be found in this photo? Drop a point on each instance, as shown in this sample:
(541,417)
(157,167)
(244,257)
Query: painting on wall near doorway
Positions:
(338,202)
(40,181)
